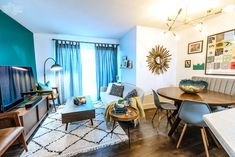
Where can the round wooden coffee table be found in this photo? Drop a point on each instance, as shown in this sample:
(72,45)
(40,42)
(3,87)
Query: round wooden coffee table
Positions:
(126,117)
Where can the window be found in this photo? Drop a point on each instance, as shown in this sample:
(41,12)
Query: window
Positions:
(88,70)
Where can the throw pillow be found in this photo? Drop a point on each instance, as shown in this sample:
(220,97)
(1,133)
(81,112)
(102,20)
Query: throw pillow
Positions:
(131,94)
(117,90)
(45,86)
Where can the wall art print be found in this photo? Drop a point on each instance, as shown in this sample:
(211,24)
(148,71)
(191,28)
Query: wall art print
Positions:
(195,47)
(220,55)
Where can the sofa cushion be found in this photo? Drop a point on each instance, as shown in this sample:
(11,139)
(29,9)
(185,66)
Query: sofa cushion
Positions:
(106,98)
(117,90)
(131,94)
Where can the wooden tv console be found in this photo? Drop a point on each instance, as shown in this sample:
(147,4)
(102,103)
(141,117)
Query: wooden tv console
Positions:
(31,118)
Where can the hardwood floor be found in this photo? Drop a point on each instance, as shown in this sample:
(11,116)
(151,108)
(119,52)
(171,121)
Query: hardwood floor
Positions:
(146,141)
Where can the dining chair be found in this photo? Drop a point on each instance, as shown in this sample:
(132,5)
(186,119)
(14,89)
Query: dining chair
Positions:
(192,114)
(162,106)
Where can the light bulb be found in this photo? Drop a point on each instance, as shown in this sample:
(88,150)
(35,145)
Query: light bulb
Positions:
(229,8)
(199,27)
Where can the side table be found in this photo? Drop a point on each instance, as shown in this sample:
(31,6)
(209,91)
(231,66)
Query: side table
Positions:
(126,117)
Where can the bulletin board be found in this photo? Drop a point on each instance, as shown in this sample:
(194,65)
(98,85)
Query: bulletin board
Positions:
(220,55)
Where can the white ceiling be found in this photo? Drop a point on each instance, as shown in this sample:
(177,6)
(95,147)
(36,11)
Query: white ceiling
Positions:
(99,18)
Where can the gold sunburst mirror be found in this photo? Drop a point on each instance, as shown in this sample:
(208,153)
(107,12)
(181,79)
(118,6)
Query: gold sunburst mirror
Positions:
(158,59)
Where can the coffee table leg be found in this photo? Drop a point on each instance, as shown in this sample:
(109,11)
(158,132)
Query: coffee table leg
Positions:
(114,122)
(66,127)
(91,121)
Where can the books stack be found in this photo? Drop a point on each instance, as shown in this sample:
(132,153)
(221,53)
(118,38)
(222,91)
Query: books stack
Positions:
(119,110)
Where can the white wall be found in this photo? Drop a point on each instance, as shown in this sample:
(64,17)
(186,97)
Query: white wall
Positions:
(148,38)
(216,25)
(128,48)
(44,48)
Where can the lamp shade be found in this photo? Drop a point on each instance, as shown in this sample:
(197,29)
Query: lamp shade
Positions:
(56,67)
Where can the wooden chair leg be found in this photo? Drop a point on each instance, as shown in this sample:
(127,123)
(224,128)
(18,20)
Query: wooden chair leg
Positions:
(155,114)
(181,136)
(22,140)
(204,142)
(207,142)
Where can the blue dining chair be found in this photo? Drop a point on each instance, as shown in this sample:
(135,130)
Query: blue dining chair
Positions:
(192,114)
(161,106)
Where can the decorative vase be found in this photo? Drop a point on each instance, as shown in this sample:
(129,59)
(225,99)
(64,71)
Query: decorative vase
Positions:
(193,86)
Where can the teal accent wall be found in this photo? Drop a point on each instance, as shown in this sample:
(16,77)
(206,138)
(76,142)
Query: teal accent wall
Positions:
(16,44)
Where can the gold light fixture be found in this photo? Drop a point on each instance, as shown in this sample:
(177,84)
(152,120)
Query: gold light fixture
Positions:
(158,59)
(197,22)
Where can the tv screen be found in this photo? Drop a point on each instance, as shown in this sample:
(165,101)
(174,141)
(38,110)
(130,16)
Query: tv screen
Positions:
(14,81)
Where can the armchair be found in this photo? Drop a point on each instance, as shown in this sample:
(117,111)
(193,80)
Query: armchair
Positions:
(52,94)
(8,135)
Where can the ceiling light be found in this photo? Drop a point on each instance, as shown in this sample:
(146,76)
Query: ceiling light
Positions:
(229,8)
(174,22)
(199,27)
(176,37)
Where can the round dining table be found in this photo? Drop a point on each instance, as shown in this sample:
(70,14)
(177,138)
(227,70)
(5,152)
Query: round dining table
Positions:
(212,98)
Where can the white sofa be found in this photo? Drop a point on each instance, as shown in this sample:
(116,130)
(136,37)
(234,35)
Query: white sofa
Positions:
(106,98)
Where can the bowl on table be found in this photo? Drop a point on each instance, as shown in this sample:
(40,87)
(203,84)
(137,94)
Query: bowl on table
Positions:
(192,86)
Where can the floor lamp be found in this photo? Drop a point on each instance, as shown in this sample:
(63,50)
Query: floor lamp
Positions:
(54,67)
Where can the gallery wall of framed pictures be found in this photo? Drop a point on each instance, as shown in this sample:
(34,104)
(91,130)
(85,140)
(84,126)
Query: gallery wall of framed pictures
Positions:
(220,54)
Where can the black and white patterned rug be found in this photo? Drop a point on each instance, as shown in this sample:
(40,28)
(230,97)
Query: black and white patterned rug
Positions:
(51,139)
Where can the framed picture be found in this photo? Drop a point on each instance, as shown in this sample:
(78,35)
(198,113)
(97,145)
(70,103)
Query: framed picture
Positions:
(187,64)
(220,54)
(195,47)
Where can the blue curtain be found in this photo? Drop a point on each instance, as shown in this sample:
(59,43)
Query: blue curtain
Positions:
(106,65)
(69,79)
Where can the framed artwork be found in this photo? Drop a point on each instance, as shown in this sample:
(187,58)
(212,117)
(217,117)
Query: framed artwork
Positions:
(195,47)
(220,54)
(187,64)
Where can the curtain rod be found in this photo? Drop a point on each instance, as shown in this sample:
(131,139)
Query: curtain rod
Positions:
(86,42)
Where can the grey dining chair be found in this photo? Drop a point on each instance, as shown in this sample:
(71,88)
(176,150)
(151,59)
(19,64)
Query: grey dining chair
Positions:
(162,106)
(192,114)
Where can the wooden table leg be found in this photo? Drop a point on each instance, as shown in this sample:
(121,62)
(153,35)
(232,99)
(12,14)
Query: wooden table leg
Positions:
(129,136)
(66,127)
(174,126)
(91,121)
(114,122)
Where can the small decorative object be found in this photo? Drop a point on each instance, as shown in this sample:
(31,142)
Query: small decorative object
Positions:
(187,64)
(199,66)
(79,100)
(120,107)
(220,56)
(192,86)
(195,47)
(158,59)
(126,63)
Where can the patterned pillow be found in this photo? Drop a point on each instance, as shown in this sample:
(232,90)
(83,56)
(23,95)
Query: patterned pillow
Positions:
(131,94)
(117,90)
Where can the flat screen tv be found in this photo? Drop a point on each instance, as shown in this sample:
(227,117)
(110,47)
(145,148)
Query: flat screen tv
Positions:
(14,81)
